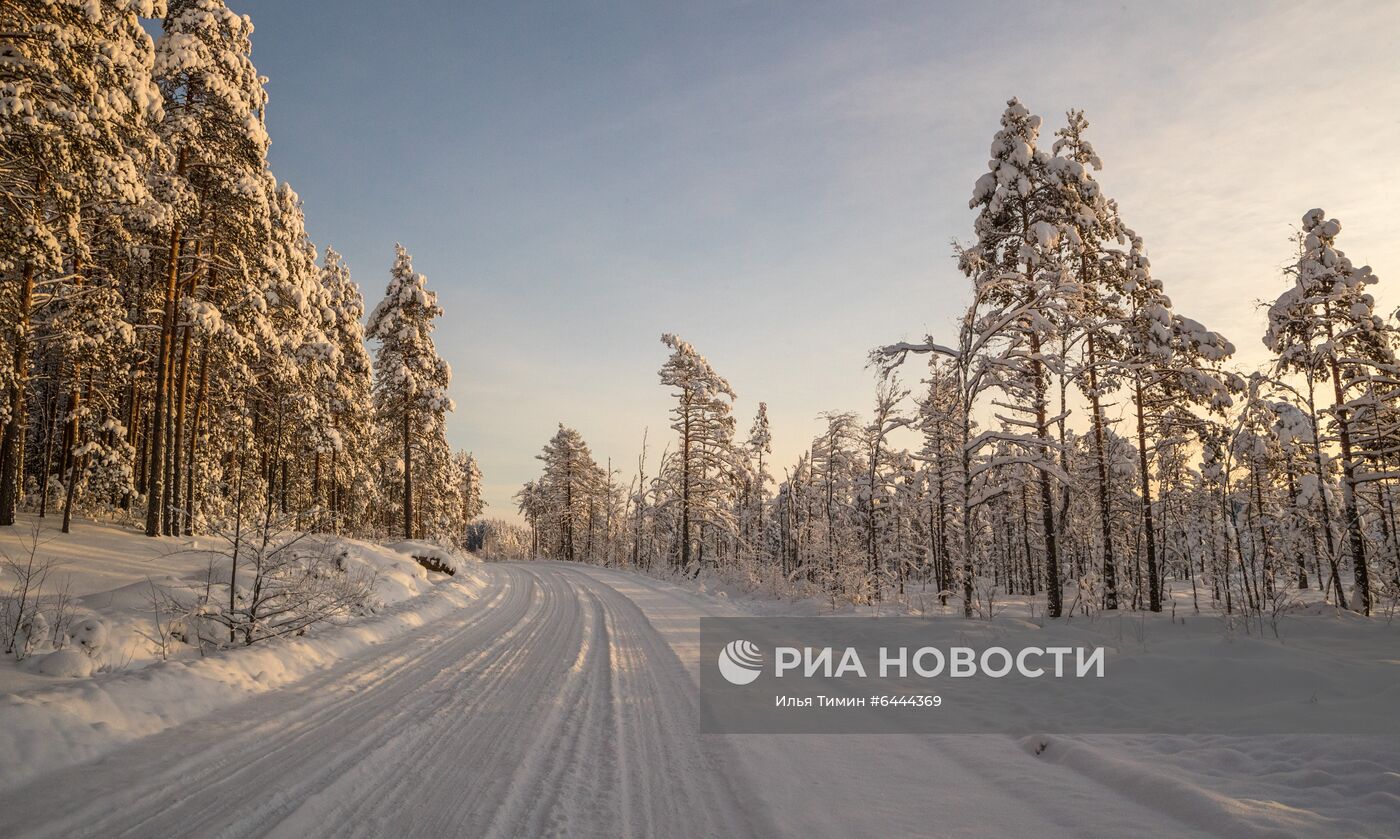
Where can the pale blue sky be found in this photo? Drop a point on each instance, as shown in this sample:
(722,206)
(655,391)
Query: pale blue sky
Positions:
(779,183)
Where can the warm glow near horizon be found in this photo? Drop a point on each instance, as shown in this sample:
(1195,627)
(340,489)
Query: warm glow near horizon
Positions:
(780,185)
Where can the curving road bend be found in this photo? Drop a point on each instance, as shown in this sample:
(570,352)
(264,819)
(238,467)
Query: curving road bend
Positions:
(564,704)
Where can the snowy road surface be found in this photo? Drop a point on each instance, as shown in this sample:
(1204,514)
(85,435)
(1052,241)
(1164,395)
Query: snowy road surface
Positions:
(563,704)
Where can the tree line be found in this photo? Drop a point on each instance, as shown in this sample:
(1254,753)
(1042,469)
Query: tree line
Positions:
(174,350)
(1081,442)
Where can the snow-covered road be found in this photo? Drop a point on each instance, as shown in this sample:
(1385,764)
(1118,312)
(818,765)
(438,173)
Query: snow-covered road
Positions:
(564,703)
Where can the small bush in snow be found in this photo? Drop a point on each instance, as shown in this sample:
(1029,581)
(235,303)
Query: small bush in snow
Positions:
(31,619)
(283,582)
(88,635)
(32,634)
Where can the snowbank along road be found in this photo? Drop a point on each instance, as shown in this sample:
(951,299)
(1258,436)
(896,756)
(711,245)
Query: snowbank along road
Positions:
(564,703)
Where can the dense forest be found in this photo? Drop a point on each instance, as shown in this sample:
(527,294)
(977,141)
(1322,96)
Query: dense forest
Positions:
(1081,442)
(173,350)
(178,353)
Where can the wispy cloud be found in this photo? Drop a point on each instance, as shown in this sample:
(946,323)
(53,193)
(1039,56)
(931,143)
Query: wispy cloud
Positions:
(780,183)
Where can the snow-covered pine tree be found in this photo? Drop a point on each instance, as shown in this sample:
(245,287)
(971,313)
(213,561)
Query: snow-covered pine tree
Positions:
(79,104)
(90,337)
(469,473)
(1294,431)
(216,145)
(1045,270)
(788,508)
(904,536)
(1021,214)
(565,494)
(876,489)
(294,360)
(143,208)
(1376,430)
(1325,328)
(969,371)
(703,420)
(346,395)
(410,392)
(1091,226)
(1256,448)
(1169,361)
(836,472)
(755,497)
(530,502)
(941,422)
(438,503)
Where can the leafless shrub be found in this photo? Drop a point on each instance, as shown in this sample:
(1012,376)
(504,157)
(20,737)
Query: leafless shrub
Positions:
(168,617)
(984,594)
(25,623)
(1280,603)
(282,582)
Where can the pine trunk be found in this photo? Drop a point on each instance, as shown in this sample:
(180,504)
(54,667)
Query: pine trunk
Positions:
(155,474)
(1110,566)
(1349,509)
(685,485)
(177,443)
(1154,588)
(12,438)
(1053,593)
(50,420)
(75,432)
(201,394)
(407,476)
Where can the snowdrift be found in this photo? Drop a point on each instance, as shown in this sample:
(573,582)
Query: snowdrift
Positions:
(58,707)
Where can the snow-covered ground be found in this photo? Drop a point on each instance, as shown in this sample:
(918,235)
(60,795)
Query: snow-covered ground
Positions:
(549,699)
(138,685)
(1101,785)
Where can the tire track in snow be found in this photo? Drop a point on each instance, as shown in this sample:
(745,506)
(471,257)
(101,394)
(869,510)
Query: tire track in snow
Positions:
(237,772)
(564,704)
(384,795)
(657,715)
(552,709)
(891,784)
(535,787)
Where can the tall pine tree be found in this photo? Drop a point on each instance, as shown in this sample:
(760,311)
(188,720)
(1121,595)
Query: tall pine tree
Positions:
(410,392)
